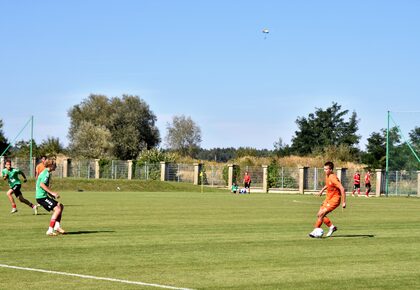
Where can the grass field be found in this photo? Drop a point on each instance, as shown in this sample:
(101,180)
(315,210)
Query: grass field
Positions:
(212,241)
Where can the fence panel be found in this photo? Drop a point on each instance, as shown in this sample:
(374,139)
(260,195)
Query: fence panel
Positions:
(146,171)
(114,169)
(180,172)
(402,183)
(213,175)
(82,169)
(284,178)
(348,182)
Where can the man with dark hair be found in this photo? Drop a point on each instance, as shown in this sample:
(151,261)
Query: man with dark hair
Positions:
(335,195)
(40,167)
(12,176)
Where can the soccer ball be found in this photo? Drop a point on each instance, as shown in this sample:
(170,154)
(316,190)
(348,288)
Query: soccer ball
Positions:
(118,188)
(318,233)
(243,190)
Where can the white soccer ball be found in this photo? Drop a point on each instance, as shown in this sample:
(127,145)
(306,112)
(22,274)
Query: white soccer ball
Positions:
(118,188)
(318,233)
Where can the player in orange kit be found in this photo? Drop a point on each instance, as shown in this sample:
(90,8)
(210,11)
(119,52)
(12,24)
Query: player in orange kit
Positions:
(335,195)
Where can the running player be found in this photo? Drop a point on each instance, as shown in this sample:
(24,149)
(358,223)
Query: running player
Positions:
(46,197)
(335,195)
(12,176)
(40,167)
(367,183)
(356,183)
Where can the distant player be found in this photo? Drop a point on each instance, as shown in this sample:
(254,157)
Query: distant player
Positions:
(234,187)
(12,176)
(46,197)
(40,167)
(356,183)
(367,183)
(247,182)
(335,195)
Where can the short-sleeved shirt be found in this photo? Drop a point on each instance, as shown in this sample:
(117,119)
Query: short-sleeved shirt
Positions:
(44,178)
(333,186)
(367,177)
(12,176)
(247,178)
(356,178)
(39,168)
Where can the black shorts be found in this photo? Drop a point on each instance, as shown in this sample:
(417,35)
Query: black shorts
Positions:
(16,190)
(356,186)
(247,184)
(48,203)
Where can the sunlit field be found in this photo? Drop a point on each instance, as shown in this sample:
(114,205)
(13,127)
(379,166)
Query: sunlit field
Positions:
(211,241)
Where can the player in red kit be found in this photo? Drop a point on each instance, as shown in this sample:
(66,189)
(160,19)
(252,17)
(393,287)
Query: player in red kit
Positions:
(356,183)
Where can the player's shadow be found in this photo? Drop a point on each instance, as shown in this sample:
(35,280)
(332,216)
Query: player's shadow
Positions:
(87,232)
(353,236)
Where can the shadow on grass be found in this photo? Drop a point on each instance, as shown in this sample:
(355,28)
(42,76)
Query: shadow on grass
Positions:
(353,236)
(87,232)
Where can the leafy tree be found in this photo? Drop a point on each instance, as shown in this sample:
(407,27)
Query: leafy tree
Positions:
(281,149)
(90,141)
(325,128)
(127,122)
(3,140)
(132,127)
(51,147)
(375,154)
(183,135)
(22,149)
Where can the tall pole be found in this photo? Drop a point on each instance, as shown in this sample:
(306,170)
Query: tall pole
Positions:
(31,169)
(387,156)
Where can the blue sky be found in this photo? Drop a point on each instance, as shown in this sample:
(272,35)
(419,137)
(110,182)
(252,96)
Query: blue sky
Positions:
(209,60)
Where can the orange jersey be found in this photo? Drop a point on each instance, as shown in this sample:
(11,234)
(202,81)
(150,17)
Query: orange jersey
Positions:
(39,168)
(333,186)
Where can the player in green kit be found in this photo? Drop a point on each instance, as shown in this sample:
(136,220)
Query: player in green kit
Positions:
(12,176)
(46,197)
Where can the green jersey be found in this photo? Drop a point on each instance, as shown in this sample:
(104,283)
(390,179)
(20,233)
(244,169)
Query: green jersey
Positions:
(12,176)
(44,177)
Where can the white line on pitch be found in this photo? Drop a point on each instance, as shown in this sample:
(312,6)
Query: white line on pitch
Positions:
(93,277)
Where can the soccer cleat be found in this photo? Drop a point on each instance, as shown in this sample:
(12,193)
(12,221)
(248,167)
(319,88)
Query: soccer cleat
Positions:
(60,231)
(51,233)
(14,210)
(316,233)
(331,231)
(35,208)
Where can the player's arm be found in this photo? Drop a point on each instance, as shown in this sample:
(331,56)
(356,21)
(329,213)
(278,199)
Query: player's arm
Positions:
(24,176)
(5,176)
(343,195)
(322,190)
(49,191)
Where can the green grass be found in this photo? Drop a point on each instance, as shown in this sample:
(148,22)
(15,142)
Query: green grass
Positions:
(213,241)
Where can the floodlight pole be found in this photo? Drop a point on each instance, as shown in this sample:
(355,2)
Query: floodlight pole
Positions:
(387,156)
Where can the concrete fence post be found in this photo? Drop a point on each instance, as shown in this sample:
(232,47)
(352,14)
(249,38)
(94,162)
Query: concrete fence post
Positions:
(303,179)
(66,170)
(379,183)
(418,183)
(230,175)
(342,176)
(97,168)
(197,170)
(130,169)
(163,171)
(265,178)
(2,163)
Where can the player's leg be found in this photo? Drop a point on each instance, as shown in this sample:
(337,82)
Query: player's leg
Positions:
(19,195)
(320,217)
(9,194)
(57,226)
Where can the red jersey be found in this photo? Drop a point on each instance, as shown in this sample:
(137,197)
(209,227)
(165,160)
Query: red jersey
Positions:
(367,177)
(356,178)
(247,178)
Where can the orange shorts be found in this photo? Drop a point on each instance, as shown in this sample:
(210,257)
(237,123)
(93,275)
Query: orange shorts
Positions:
(331,204)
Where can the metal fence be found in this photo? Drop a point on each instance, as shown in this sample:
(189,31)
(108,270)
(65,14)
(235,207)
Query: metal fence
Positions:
(213,175)
(81,169)
(402,183)
(146,171)
(180,172)
(284,178)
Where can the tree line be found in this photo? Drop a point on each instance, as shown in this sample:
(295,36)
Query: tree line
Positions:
(125,128)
